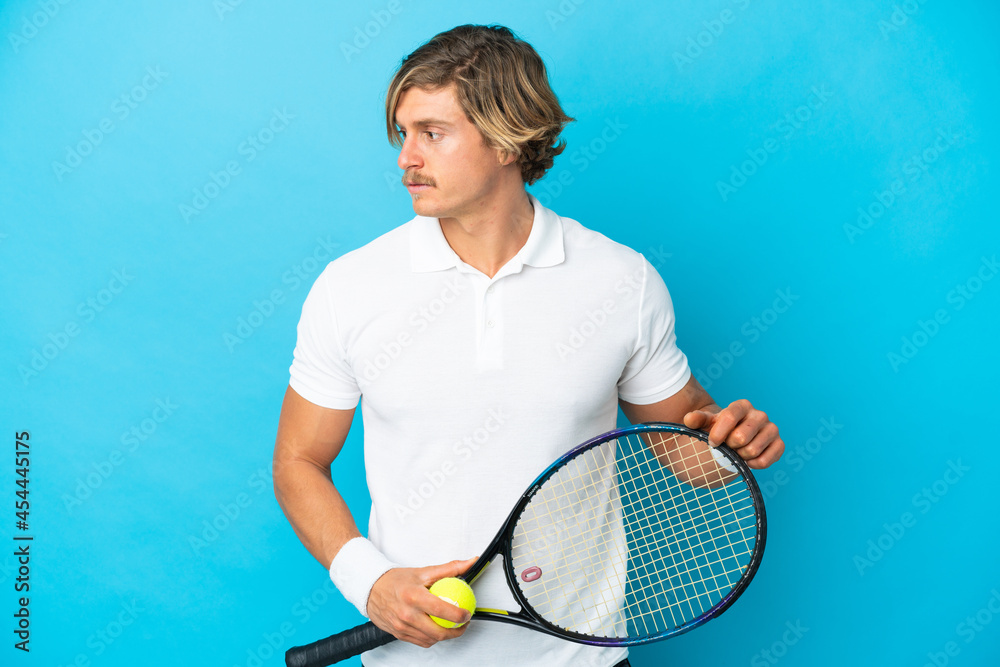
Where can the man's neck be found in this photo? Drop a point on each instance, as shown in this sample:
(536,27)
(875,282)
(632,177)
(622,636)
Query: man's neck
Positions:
(489,240)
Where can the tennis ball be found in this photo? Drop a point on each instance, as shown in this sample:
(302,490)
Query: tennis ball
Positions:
(456,592)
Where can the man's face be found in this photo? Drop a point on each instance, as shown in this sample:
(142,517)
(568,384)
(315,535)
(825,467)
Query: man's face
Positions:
(446,153)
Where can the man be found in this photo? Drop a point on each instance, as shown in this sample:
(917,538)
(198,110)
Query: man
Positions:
(486,337)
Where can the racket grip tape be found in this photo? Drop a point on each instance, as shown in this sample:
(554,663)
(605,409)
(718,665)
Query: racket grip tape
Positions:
(338,647)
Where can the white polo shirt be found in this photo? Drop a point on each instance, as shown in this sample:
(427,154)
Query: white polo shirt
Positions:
(471,386)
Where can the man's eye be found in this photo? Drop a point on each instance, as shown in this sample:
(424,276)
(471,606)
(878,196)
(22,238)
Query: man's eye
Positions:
(433,135)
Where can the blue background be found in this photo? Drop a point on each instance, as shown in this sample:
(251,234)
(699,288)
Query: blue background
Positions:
(694,94)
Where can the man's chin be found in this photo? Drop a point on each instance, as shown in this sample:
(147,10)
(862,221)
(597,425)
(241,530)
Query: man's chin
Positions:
(425,208)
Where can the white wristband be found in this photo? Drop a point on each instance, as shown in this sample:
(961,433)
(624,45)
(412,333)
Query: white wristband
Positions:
(356,568)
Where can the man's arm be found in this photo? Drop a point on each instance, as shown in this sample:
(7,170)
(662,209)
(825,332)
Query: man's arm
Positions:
(309,439)
(745,429)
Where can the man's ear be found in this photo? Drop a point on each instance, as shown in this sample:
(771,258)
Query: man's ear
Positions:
(505,158)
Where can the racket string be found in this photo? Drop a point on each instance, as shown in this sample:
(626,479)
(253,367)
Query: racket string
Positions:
(641,536)
(684,514)
(561,574)
(646,493)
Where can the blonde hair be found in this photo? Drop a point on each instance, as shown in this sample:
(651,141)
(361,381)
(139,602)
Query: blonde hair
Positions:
(501,85)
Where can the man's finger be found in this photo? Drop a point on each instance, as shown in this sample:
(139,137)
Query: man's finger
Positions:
(727,419)
(749,431)
(435,606)
(698,419)
(771,454)
(428,575)
(756,446)
(722,427)
(434,632)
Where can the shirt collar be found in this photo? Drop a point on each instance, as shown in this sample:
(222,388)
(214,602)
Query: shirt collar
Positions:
(429,250)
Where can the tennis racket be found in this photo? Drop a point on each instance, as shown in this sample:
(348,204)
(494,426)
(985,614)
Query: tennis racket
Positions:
(637,535)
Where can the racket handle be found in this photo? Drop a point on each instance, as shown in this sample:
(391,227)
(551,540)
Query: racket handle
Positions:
(338,647)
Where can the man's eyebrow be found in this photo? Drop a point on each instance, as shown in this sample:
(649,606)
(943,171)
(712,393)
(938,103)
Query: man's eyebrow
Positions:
(424,122)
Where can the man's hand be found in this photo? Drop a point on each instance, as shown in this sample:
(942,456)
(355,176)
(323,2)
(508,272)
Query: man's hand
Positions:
(745,429)
(399,603)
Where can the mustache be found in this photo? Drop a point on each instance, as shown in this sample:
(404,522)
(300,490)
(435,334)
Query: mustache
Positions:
(416,181)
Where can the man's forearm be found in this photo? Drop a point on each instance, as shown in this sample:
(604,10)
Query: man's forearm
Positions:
(314,507)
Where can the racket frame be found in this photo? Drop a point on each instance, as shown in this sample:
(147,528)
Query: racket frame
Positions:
(502,543)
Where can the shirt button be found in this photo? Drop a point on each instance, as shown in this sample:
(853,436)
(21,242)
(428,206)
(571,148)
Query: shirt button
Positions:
(489,290)
(489,323)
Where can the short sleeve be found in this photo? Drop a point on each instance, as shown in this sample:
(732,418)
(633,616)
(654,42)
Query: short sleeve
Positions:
(657,368)
(320,371)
